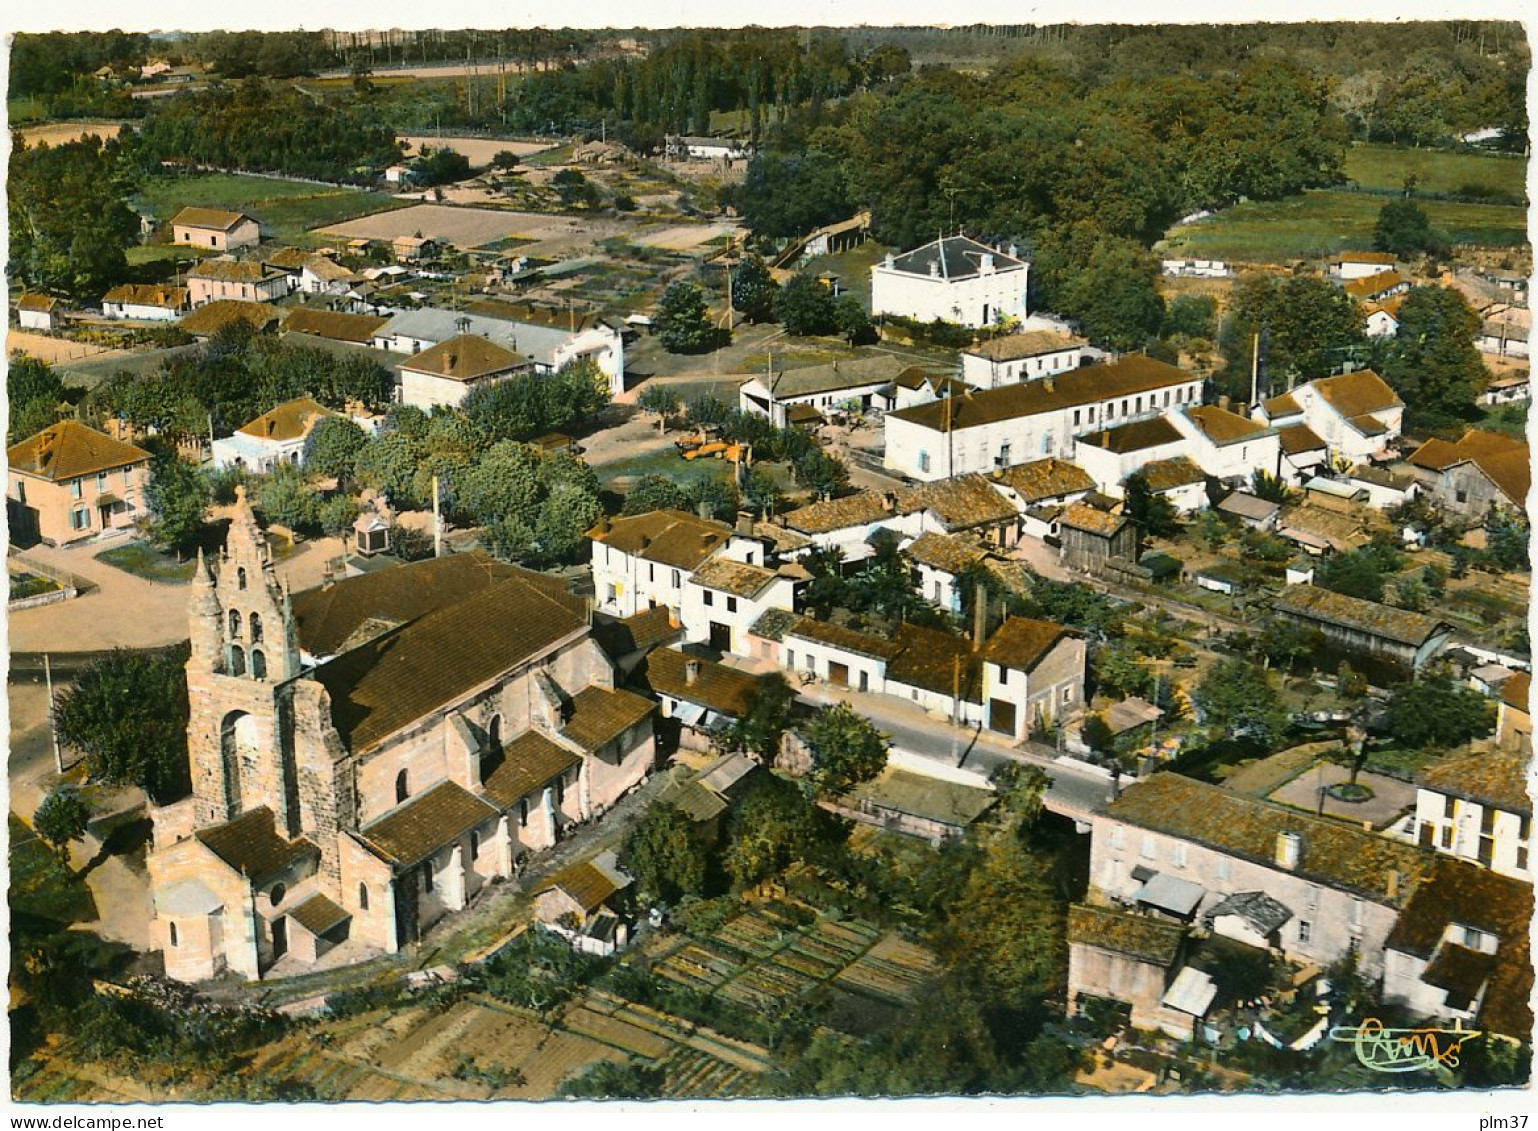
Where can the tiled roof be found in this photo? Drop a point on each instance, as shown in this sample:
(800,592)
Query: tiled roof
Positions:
(214,219)
(671,538)
(1367,424)
(528,762)
(332,324)
(961,502)
(1134,437)
(838,514)
(958,257)
(846,639)
(1299,438)
(1382,257)
(1224,427)
(36,302)
(1033,343)
(1088,385)
(919,795)
(410,833)
(251,845)
(1313,602)
(328,616)
(1462,972)
(465,358)
(849,373)
(694,799)
(233,271)
(599,716)
(946,552)
(915,377)
(327,270)
(585,882)
(212,317)
(1457,892)
(287,258)
(1021,642)
(1077,516)
(1146,939)
(1503,459)
(639,633)
(936,661)
(404,675)
(1356,394)
(1046,479)
(289,421)
(1380,477)
(1373,285)
(1334,853)
(147,294)
(738,578)
(318,915)
(1490,777)
(1284,405)
(774,624)
(1516,691)
(68,450)
(726,690)
(1167,474)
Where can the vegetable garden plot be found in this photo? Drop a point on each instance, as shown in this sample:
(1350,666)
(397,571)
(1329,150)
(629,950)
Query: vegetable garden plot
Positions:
(893,969)
(692,1074)
(611,1030)
(699,965)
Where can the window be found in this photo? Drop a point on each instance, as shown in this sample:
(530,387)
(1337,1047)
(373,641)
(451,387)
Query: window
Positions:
(101,481)
(80,519)
(1148,851)
(1004,454)
(258,664)
(475,844)
(1137,405)
(21,492)
(923,461)
(427,875)
(277,893)
(1311,898)
(1076,413)
(1521,857)
(172,927)
(790,658)
(1118,836)
(240,578)
(402,787)
(651,572)
(235,623)
(1067,695)
(1355,919)
(237,660)
(256,628)
(74,488)
(731,604)
(709,599)
(1224,867)
(362,897)
(676,579)
(1473,939)
(560,790)
(1462,496)
(1179,855)
(523,812)
(1304,930)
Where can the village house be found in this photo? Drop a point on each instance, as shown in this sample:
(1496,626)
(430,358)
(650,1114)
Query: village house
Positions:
(1130,959)
(1040,489)
(37,312)
(847,524)
(1475,806)
(275,437)
(1351,265)
(997,428)
(575,904)
(214,228)
(1503,337)
(1021,357)
(1382,487)
(332,325)
(939,560)
(1513,715)
(954,279)
(1383,317)
(862,384)
(242,280)
(964,504)
(70,482)
(145,302)
(369,754)
(1109,455)
(628,640)
(412,249)
(701,696)
(1356,414)
(1406,638)
(1092,540)
(1480,471)
(445,373)
(208,319)
(1226,446)
(1376,289)
(724,597)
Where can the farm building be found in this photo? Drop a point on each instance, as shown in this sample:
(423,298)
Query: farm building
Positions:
(37,312)
(1406,638)
(915,805)
(215,228)
(1481,470)
(145,302)
(1092,539)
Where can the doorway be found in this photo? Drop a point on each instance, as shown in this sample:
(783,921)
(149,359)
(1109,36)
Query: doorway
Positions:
(720,636)
(279,937)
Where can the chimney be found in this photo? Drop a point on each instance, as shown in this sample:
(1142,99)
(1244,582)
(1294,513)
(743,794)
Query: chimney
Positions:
(985,263)
(702,508)
(691,672)
(605,524)
(1391,884)
(1014,251)
(646,541)
(890,261)
(449,360)
(934,269)
(1223,401)
(745,523)
(1289,850)
(889,502)
(1049,383)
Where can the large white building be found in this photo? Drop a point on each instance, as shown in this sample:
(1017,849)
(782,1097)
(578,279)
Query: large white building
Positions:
(1021,357)
(1355,415)
(998,428)
(953,279)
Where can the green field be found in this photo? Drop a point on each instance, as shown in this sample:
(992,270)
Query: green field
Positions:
(288,208)
(1437,171)
(1321,222)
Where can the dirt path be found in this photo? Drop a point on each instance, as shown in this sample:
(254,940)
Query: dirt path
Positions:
(123,611)
(56,351)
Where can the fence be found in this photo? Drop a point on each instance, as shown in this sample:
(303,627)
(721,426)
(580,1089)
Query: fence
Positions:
(69,586)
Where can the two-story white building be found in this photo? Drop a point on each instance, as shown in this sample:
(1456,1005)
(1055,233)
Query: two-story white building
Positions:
(1021,357)
(1475,807)
(724,597)
(954,279)
(1356,414)
(445,374)
(861,384)
(997,428)
(1225,445)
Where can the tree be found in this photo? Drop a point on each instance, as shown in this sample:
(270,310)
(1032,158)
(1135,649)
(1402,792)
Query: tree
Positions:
(1307,328)
(759,491)
(665,852)
(283,497)
(852,321)
(536,508)
(1192,316)
(660,400)
(1403,229)
(753,290)
(1285,642)
(63,816)
(1433,712)
(760,730)
(127,714)
(717,498)
(788,194)
(1107,283)
(1236,698)
(1272,488)
(846,747)
(654,493)
(35,394)
(69,223)
(505,160)
(608,1080)
(1507,540)
(805,306)
(1097,735)
(177,497)
(773,827)
(1355,573)
(820,472)
(332,447)
(1154,514)
(683,322)
(440,166)
(1432,362)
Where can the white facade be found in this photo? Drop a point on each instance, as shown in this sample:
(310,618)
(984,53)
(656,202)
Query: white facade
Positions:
(1235,459)
(954,280)
(1355,439)
(708,613)
(982,372)
(139,311)
(427,391)
(1476,832)
(1382,324)
(1110,469)
(1347,268)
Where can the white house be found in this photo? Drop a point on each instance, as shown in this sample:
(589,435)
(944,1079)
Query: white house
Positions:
(1475,806)
(1112,454)
(1502,338)
(1383,317)
(997,428)
(724,597)
(1360,264)
(145,302)
(276,437)
(1355,414)
(36,312)
(707,148)
(1021,357)
(938,561)
(445,373)
(1224,444)
(953,279)
(860,384)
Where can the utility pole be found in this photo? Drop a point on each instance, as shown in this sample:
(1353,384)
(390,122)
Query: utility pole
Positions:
(1255,371)
(53,733)
(955,710)
(437,521)
(730,321)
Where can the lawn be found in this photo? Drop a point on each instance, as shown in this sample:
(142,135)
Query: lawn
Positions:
(143,560)
(1437,171)
(1319,223)
(287,208)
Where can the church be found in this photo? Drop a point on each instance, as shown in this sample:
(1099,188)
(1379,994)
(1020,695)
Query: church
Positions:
(367,755)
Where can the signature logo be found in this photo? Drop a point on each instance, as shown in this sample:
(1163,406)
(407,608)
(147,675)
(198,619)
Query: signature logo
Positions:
(1402,1050)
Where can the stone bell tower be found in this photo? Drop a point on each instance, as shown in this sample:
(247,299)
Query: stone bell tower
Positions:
(245,652)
